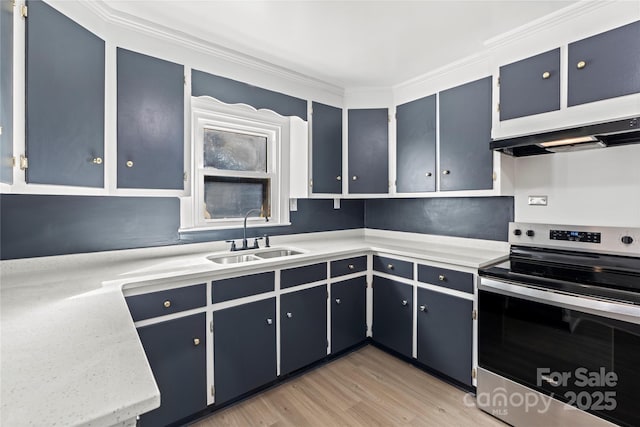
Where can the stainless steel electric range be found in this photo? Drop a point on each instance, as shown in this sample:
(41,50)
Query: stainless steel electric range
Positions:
(559,328)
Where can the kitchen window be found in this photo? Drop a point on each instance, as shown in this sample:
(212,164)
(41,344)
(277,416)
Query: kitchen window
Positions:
(240,159)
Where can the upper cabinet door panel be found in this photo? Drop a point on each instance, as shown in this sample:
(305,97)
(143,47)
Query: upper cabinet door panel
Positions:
(6,92)
(64,100)
(605,66)
(326,134)
(466,162)
(530,86)
(416,145)
(368,131)
(150,122)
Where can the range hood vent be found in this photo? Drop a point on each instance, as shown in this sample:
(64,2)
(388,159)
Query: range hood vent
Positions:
(619,132)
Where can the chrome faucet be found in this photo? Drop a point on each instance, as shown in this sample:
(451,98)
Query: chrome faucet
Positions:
(244,230)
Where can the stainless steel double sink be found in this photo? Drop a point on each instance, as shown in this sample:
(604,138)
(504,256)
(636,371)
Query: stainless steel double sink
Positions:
(256,256)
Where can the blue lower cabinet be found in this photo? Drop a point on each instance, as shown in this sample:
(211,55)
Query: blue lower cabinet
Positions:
(303,328)
(176,351)
(244,348)
(393,315)
(348,313)
(445,334)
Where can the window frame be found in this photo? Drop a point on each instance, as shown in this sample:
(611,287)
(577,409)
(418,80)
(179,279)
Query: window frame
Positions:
(209,113)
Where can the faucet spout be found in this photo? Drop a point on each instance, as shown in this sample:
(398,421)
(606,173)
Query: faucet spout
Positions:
(244,228)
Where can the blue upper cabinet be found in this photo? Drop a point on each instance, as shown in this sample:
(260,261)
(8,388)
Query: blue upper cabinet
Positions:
(530,86)
(416,145)
(368,131)
(605,66)
(6,92)
(150,122)
(466,162)
(64,100)
(326,134)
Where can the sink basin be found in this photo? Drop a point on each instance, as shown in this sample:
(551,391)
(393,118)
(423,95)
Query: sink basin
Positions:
(232,259)
(276,253)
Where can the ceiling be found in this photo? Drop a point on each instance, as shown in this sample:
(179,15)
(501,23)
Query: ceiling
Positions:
(355,43)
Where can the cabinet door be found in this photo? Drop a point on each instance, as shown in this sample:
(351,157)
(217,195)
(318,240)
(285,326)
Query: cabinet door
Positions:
(416,146)
(6,92)
(64,100)
(368,151)
(150,122)
(176,351)
(326,134)
(530,86)
(605,66)
(466,162)
(348,313)
(393,314)
(445,339)
(244,348)
(303,328)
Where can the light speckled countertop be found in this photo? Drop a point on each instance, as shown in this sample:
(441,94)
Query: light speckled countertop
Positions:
(69,351)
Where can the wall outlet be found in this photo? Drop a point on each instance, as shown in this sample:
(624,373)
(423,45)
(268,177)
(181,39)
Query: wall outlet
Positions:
(538,200)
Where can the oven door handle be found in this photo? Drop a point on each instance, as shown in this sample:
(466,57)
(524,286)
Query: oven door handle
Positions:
(598,307)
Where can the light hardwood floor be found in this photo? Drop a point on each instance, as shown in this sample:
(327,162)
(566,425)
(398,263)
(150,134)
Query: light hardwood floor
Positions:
(365,388)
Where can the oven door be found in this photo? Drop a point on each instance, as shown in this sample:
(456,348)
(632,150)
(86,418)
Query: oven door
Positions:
(581,351)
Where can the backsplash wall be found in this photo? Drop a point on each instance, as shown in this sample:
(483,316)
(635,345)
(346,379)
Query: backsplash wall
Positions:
(472,217)
(44,225)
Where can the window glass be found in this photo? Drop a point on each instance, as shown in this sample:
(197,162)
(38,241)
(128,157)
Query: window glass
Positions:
(234,151)
(230,197)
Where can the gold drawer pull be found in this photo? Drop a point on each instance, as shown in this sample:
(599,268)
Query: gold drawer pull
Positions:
(546,75)
(354,177)
(97,160)
(580,65)
(129,164)
(446,172)
(339,178)
(390,266)
(167,304)
(196,341)
(352,267)
(428,174)
(442,278)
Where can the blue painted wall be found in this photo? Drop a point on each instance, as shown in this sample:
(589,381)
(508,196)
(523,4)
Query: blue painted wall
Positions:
(473,217)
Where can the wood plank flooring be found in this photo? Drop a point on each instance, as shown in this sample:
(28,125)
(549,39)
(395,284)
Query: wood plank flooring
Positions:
(365,388)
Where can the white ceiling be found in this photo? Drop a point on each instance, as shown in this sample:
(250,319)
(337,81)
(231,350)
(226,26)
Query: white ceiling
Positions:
(355,43)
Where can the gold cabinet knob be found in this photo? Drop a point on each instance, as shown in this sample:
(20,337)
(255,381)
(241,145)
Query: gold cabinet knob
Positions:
(423,308)
(441,278)
(351,266)
(129,164)
(354,177)
(339,178)
(580,65)
(390,266)
(167,304)
(196,341)
(546,75)
(97,160)
(428,174)
(446,172)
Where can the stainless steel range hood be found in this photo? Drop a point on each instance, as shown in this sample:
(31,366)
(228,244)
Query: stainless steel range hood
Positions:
(619,132)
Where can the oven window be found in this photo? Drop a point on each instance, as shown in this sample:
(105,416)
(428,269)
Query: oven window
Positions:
(568,354)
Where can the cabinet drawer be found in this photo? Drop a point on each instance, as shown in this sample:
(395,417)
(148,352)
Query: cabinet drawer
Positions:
(451,279)
(243,286)
(300,275)
(393,266)
(161,303)
(348,266)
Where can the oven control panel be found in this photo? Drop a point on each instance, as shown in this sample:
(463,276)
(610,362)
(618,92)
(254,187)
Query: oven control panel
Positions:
(575,236)
(599,239)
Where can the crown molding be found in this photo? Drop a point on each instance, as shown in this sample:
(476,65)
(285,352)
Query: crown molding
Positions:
(141,25)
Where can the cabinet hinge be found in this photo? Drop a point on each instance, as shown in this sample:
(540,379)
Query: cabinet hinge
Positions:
(213,391)
(474,315)
(0,130)
(498,81)
(23,11)
(184,80)
(184,177)
(13,161)
(473,373)
(211,326)
(24,162)
(327,293)
(389,118)
(498,108)
(310,183)
(494,176)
